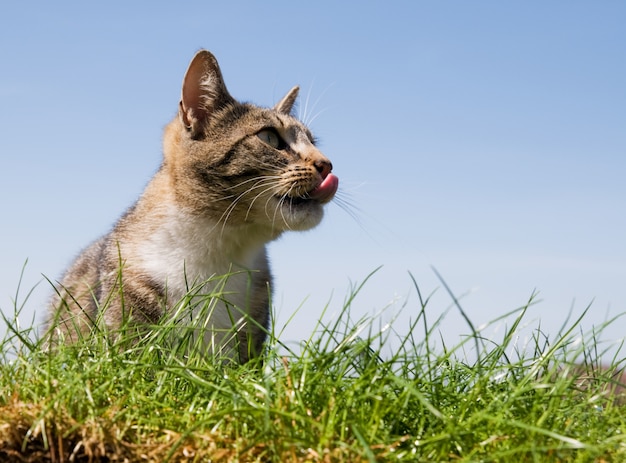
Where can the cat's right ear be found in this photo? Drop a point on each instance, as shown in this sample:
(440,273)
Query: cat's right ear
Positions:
(203,92)
(285,106)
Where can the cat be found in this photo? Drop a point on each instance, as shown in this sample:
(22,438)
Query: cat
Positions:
(234,177)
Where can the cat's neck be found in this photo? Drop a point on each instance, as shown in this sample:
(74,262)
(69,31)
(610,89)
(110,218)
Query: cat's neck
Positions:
(176,242)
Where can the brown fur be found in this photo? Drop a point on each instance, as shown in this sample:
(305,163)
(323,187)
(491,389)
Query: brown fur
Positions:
(234,177)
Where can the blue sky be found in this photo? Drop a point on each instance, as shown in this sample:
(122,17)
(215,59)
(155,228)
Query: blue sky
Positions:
(486,139)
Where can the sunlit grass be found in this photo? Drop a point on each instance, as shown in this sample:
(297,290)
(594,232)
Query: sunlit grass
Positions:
(342,395)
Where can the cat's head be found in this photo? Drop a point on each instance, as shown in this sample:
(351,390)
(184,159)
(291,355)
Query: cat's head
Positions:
(243,164)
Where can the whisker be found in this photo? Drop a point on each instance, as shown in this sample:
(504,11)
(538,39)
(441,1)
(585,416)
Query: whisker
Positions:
(261,182)
(279,207)
(345,203)
(253,179)
(349,208)
(264,186)
(316,115)
(270,188)
(308,121)
(226,214)
(303,113)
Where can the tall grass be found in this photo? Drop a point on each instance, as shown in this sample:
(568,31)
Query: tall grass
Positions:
(342,395)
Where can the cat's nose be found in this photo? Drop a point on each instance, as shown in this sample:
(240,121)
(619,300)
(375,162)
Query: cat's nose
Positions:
(323,166)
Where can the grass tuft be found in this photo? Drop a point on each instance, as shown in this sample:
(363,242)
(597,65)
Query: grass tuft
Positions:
(344,395)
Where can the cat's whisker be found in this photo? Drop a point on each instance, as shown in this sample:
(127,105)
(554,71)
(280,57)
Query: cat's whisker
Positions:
(268,183)
(223,219)
(349,208)
(254,179)
(272,187)
(279,207)
(228,211)
(344,202)
(316,115)
(304,111)
(345,199)
(309,120)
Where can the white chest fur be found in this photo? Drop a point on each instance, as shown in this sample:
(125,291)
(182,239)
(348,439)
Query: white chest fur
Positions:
(205,263)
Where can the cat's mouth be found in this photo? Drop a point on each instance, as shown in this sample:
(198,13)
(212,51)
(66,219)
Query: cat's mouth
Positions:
(322,193)
(326,190)
(304,210)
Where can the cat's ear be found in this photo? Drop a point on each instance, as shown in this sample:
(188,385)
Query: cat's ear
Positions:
(203,92)
(285,105)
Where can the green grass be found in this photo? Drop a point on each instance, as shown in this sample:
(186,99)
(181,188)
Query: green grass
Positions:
(353,391)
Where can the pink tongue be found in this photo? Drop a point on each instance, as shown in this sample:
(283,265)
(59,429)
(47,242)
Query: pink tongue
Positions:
(326,190)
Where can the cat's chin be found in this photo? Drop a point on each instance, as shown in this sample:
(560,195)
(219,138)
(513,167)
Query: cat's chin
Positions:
(301,214)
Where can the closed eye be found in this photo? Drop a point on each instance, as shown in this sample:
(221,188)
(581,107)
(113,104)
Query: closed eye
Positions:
(271,137)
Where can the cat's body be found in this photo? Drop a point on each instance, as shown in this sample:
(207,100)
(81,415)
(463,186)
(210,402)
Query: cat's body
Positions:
(233,178)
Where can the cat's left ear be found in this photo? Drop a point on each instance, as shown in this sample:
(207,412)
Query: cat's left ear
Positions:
(204,91)
(285,105)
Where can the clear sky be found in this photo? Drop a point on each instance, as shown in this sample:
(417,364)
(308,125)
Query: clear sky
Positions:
(486,139)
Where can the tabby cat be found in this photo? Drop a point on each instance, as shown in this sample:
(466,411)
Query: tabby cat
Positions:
(234,177)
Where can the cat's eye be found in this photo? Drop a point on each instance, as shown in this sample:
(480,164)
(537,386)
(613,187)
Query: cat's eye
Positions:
(272,138)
